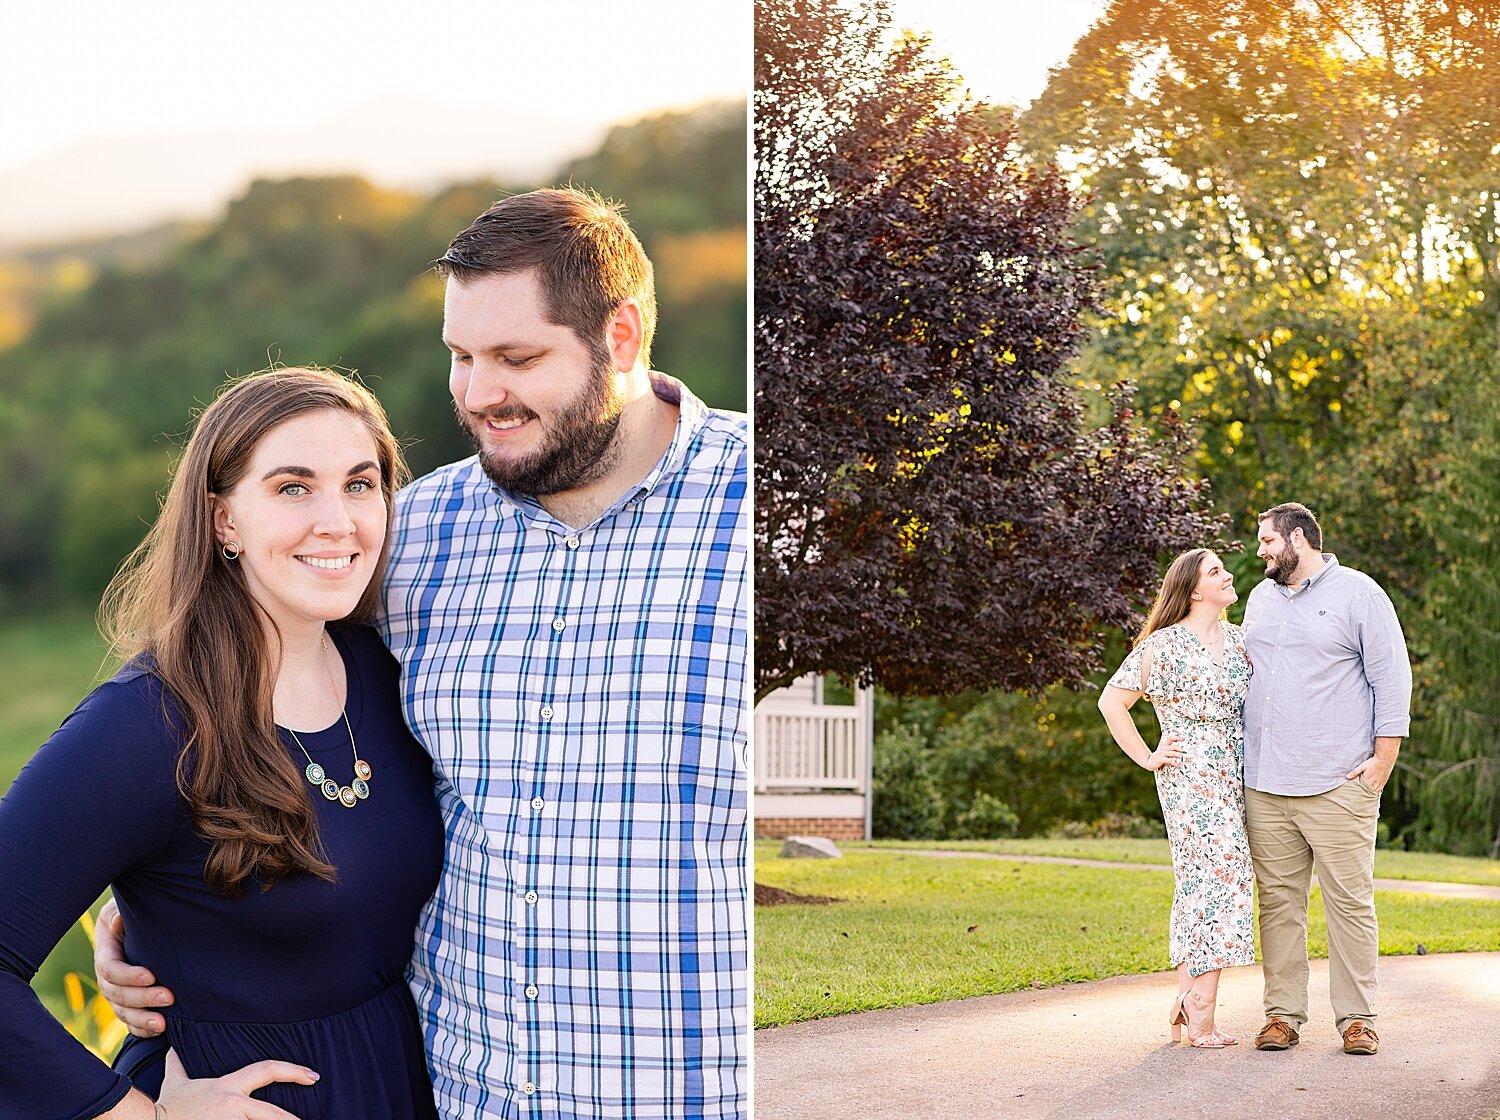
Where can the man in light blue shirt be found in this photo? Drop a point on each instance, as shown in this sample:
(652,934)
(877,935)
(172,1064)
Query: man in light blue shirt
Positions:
(1328,706)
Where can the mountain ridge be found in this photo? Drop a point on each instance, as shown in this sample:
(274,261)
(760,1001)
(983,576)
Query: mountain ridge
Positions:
(152,180)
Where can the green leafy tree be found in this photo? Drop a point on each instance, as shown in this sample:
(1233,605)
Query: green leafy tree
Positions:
(1292,202)
(985,818)
(1451,767)
(1295,207)
(1049,758)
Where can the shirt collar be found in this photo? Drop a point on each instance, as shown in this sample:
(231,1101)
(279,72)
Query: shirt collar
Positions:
(692,414)
(1330,562)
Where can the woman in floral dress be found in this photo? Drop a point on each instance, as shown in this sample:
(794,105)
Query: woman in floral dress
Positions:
(1192,666)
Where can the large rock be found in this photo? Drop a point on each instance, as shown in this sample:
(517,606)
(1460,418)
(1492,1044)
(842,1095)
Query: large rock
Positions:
(809,847)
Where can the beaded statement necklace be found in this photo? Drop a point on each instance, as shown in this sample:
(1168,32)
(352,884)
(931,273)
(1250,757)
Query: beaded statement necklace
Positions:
(350,795)
(357,790)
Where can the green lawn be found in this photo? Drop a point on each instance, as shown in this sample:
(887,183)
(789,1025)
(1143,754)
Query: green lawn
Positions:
(50,664)
(903,933)
(1388,864)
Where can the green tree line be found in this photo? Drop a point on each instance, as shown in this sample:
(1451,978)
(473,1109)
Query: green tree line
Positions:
(106,364)
(1293,212)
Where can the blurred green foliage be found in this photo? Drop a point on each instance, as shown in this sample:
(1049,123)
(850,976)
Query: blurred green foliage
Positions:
(1003,763)
(1294,215)
(113,347)
(1294,208)
(50,663)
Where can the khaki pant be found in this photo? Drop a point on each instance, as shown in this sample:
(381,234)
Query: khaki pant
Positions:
(1289,836)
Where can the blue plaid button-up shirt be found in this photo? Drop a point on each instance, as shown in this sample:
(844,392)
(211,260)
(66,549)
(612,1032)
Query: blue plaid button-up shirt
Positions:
(582,692)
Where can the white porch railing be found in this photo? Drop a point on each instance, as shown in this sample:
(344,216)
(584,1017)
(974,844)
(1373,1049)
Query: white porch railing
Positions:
(809,746)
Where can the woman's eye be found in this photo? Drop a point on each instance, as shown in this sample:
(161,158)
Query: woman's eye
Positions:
(362,485)
(294,489)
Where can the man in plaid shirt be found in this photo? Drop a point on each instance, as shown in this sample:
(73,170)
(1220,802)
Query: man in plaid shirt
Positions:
(568,607)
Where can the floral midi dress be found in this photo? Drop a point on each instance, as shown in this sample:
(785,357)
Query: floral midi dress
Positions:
(1203,796)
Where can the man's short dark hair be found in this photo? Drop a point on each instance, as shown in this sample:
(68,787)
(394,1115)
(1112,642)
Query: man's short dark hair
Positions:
(1293,515)
(585,253)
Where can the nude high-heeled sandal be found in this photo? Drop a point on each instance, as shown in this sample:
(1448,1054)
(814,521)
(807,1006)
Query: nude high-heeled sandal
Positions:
(1177,1017)
(1200,1029)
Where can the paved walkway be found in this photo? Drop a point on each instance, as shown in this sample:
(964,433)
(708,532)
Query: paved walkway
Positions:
(1416,886)
(1102,1051)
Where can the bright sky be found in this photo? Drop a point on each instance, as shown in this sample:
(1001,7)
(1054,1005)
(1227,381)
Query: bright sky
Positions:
(93,68)
(83,69)
(1003,48)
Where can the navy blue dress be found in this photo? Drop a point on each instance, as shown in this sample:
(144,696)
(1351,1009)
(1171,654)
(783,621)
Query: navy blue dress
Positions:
(309,971)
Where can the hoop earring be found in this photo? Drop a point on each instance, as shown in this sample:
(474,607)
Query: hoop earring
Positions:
(235,555)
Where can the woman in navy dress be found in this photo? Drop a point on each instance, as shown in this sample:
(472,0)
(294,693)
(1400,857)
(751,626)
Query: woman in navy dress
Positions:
(246,785)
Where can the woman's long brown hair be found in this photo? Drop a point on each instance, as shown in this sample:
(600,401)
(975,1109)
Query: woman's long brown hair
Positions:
(177,601)
(1175,598)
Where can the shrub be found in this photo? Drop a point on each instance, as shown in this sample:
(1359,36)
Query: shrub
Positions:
(986,818)
(906,806)
(1049,757)
(1111,826)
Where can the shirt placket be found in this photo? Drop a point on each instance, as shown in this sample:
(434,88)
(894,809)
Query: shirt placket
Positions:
(1284,724)
(539,907)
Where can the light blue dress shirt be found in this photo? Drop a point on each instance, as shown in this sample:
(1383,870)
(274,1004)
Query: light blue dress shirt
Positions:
(582,691)
(1331,674)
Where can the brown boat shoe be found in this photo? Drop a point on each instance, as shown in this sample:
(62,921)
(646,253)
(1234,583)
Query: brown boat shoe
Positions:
(1360,1038)
(1277,1034)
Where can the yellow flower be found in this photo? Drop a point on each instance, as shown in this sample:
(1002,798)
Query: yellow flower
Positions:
(74,989)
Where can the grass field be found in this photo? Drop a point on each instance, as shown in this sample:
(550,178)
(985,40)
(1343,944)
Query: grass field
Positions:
(1388,864)
(50,664)
(902,935)
(914,929)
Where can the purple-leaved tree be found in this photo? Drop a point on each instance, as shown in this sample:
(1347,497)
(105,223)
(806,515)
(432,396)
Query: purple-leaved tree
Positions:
(937,508)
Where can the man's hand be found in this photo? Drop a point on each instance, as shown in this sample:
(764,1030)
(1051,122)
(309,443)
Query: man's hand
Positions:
(1377,770)
(227,1097)
(127,987)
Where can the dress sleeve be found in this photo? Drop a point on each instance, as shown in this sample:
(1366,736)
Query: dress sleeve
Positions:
(1234,638)
(1128,675)
(98,798)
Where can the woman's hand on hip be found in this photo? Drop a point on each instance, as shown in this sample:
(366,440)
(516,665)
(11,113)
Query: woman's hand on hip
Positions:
(1167,753)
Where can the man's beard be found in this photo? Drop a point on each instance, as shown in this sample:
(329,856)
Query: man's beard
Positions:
(1283,565)
(575,450)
